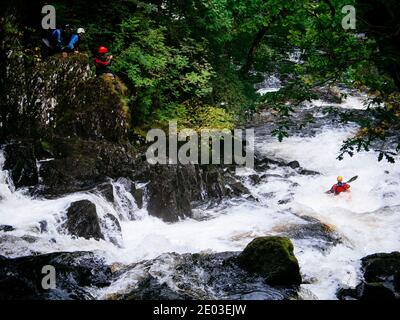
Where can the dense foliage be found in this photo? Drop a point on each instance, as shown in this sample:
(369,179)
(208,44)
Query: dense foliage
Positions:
(198,60)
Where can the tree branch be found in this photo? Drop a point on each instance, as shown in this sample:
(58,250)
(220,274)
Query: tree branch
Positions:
(331,7)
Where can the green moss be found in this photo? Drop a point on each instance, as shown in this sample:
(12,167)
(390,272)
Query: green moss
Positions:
(273,259)
(85,106)
(45,145)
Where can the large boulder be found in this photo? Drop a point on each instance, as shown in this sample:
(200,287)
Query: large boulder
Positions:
(173,190)
(273,259)
(21,278)
(70,101)
(82,220)
(381,281)
(84,164)
(382,267)
(61,96)
(98,111)
(199,276)
(20,160)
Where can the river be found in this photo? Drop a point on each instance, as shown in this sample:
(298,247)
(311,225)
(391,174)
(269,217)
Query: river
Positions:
(365,222)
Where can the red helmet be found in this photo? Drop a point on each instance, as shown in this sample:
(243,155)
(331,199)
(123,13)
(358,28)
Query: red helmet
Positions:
(103,49)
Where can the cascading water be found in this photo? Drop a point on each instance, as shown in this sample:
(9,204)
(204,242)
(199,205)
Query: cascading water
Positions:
(366,221)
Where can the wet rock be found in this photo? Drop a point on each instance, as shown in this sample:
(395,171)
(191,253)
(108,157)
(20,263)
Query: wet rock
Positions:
(237,188)
(21,162)
(313,230)
(70,101)
(21,278)
(6,228)
(255,178)
(82,220)
(151,289)
(170,191)
(112,228)
(200,276)
(81,165)
(173,189)
(376,291)
(252,198)
(381,279)
(138,195)
(212,182)
(273,259)
(366,291)
(11,245)
(262,163)
(114,221)
(382,267)
(29,238)
(98,111)
(293,164)
(346,294)
(107,191)
(308,172)
(43,226)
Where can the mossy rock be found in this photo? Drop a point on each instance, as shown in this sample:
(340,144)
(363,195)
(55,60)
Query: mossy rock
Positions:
(70,101)
(273,259)
(99,111)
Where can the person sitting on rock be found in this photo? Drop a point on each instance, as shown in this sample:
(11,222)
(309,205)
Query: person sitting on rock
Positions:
(72,45)
(54,41)
(58,37)
(102,62)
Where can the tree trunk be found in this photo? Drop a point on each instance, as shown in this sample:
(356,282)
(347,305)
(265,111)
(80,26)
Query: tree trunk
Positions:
(253,50)
(257,42)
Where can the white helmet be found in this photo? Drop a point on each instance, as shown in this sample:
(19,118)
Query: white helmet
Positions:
(80,30)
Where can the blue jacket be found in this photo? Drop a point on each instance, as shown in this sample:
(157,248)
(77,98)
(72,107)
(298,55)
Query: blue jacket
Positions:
(72,42)
(57,36)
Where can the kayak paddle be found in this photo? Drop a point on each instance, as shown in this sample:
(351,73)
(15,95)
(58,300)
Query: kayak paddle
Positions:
(352,179)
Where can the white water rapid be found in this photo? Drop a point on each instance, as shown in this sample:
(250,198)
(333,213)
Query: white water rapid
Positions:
(367,220)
